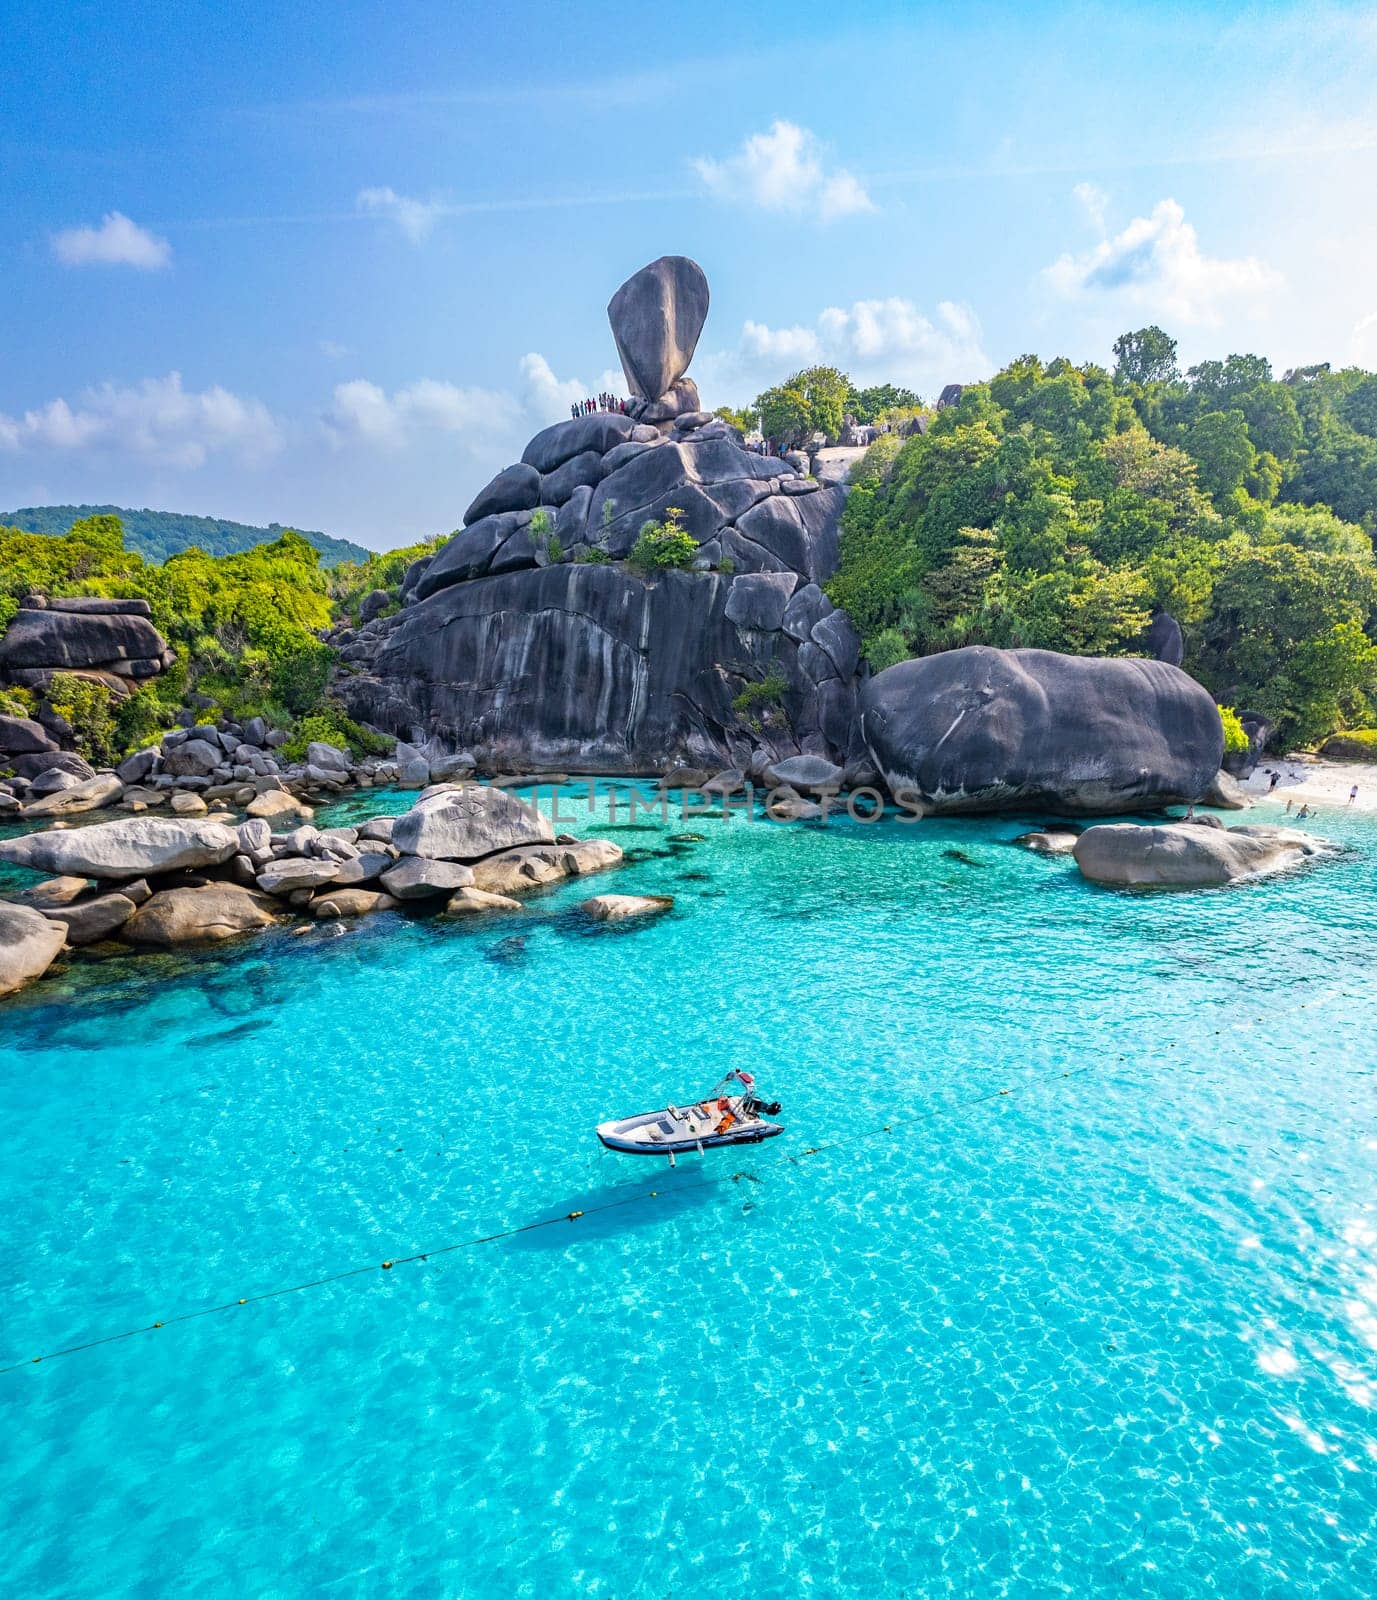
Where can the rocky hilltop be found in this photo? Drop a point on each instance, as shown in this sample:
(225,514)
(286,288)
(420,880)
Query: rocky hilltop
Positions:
(528,639)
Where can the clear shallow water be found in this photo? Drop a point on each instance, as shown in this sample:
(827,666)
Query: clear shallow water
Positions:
(1109,1333)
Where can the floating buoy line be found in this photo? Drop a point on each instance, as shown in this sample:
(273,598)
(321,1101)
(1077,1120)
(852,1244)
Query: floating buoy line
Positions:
(947,1108)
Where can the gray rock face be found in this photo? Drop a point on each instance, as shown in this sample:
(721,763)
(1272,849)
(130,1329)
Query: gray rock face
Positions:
(757,599)
(88,921)
(464,824)
(192,758)
(581,471)
(992,730)
(555,445)
(1163,639)
(127,848)
(417,877)
(657,316)
(1178,855)
(20,736)
(73,640)
(515,489)
(478,550)
(588,668)
(28,944)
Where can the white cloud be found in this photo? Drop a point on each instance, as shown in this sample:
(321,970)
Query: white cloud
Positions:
(333,350)
(548,398)
(117,242)
(414,217)
(1156,263)
(157,420)
(874,341)
(363,411)
(1095,201)
(782,170)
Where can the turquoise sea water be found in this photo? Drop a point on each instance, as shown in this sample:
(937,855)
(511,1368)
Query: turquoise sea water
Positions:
(1114,1332)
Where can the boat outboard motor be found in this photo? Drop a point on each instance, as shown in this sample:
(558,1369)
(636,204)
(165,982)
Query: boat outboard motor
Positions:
(762,1108)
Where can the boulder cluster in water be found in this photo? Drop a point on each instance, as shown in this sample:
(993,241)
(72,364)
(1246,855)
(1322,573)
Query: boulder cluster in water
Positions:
(160,882)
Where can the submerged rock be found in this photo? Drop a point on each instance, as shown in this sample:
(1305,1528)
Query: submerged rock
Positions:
(1177,854)
(207,914)
(618,907)
(468,902)
(28,944)
(1050,843)
(276,803)
(532,866)
(338,902)
(980,729)
(127,848)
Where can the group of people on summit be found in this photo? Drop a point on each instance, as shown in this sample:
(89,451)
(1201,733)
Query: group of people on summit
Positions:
(601,402)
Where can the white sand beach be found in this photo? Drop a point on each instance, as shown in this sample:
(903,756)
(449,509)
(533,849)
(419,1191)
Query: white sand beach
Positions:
(1310,781)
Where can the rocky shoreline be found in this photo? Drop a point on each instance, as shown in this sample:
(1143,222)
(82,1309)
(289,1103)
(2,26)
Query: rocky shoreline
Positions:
(154,882)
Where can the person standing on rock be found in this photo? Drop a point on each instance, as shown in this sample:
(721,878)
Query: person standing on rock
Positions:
(1276,777)
(1353,794)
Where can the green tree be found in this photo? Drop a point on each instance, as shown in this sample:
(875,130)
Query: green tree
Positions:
(1145,356)
(1224,456)
(809,402)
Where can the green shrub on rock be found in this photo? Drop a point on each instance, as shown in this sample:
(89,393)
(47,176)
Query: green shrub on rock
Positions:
(1236,740)
(329,725)
(664,545)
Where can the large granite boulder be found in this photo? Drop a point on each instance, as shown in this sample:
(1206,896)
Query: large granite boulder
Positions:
(21,736)
(128,848)
(28,944)
(68,639)
(1163,639)
(562,441)
(468,822)
(86,794)
(207,914)
(657,316)
(995,730)
(515,489)
(1178,855)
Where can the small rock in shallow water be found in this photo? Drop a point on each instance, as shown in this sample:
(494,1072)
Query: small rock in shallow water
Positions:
(1049,843)
(467,902)
(1177,855)
(618,907)
(28,944)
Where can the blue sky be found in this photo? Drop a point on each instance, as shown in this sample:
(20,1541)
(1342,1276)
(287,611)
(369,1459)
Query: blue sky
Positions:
(331,264)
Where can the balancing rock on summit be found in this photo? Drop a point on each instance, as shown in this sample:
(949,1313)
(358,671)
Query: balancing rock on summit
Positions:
(657,316)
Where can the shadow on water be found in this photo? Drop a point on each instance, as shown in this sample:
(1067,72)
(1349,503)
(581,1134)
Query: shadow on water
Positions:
(658,1195)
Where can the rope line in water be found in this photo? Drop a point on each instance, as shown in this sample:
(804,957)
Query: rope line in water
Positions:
(947,1108)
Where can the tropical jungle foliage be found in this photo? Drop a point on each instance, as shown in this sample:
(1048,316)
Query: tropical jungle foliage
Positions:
(157,535)
(243,627)
(1060,506)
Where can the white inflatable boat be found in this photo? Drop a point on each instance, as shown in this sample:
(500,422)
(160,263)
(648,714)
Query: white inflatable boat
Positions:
(718,1119)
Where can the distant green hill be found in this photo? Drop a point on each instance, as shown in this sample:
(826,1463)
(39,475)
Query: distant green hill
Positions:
(156,535)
